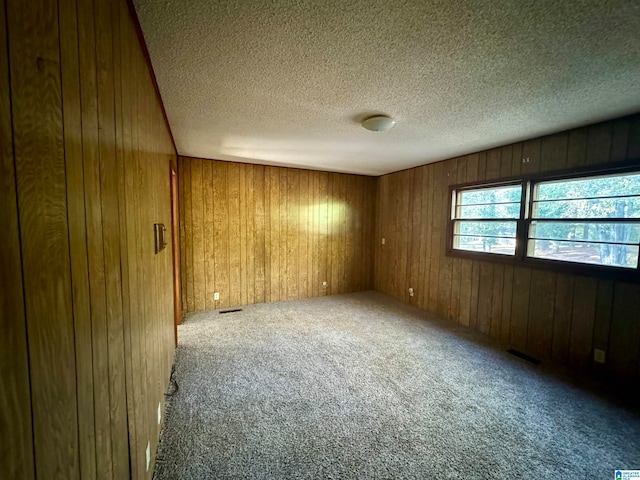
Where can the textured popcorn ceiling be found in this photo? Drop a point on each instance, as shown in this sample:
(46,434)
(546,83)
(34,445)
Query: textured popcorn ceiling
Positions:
(286,82)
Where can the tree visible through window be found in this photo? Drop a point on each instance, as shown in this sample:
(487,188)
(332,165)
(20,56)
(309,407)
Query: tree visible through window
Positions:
(592,218)
(589,220)
(485,219)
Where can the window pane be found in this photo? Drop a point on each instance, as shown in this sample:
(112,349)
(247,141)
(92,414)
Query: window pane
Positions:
(626,207)
(593,253)
(508,210)
(476,196)
(504,246)
(494,229)
(586,231)
(606,186)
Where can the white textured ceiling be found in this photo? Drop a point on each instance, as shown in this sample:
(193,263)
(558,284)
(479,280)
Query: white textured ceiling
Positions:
(286,82)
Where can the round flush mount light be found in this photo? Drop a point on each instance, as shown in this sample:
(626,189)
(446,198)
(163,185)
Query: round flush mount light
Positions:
(379,123)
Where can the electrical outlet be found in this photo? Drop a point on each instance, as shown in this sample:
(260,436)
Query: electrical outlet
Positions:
(216,296)
(410,292)
(159,414)
(324,284)
(599,356)
(148,455)
(383,240)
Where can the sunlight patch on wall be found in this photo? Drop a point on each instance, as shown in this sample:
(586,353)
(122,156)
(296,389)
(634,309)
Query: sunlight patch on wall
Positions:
(323,218)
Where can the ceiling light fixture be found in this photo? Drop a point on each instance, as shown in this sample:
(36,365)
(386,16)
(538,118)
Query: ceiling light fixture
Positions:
(379,123)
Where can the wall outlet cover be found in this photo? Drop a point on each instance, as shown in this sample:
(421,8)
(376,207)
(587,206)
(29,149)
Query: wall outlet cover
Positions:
(599,356)
(216,296)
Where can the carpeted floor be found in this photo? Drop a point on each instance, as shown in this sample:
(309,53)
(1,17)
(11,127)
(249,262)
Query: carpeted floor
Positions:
(361,386)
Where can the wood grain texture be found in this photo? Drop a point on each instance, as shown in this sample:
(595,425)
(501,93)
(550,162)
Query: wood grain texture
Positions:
(87,176)
(278,233)
(71,94)
(623,351)
(38,132)
(544,313)
(16,436)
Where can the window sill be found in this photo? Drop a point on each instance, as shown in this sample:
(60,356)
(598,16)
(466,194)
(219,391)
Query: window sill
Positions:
(599,271)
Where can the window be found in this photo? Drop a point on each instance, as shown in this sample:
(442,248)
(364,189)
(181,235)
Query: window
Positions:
(586,220)
(594,220)
(485,219)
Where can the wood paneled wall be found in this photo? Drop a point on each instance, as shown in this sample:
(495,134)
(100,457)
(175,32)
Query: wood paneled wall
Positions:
(87,330)
(262,234)
(545,313)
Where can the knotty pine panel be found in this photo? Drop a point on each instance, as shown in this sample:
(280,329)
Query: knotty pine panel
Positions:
(85,158)
(262,234)
(545,313)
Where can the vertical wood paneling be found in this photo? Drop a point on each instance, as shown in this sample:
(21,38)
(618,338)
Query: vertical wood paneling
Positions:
(186,200)
(197,215)
(602,324)
(249,262)
(209,243)
(553,151)
(446,265)
(485,295)
(577,148)
(77,235)
(233,192)
(84,189)
(16,436)
(292,274)
(434,232)
(624,353)
(582,321)
(545,313)
(540,333)
(242,214)
(324,229)
(274,233)
(136,371)
(109,176)
(562,317)
(36,97)
(282,212)
(619,140)
(95,238)
(220,235)
(599,143)
(416,230)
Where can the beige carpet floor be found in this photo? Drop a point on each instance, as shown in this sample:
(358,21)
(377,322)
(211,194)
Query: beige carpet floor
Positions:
(362,386)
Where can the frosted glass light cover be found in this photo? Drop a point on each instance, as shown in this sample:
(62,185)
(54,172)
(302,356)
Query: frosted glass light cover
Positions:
(379,123)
